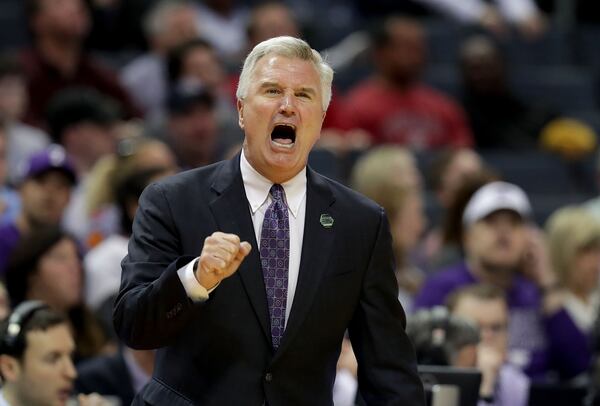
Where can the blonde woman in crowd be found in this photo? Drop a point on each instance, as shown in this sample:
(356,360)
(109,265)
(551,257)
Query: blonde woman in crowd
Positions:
(133,154)
(574,243)
(389,175)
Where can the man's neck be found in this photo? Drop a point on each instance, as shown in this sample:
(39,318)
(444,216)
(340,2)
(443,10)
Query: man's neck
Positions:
(62,55)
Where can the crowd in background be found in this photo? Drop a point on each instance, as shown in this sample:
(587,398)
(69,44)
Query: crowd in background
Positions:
(473,123)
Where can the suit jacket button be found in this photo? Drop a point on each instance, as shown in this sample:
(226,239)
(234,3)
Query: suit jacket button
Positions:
(268,377)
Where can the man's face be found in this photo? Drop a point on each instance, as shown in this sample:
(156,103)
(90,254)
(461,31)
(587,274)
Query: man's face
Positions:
(45,198)
(67,19)
(498,241)
(46,373)
(281,116)
(491,316)
(403,58)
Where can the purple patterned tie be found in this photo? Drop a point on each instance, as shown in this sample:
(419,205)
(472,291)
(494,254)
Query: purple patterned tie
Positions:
(275,258)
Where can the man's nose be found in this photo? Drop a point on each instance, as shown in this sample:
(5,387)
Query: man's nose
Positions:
(287,106)
(69,369)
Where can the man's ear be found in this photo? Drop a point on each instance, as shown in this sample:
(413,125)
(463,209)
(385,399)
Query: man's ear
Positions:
(10,368)
(240,109)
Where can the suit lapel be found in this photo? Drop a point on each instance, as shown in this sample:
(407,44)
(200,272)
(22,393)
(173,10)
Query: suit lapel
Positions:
(230,210)
(316,250)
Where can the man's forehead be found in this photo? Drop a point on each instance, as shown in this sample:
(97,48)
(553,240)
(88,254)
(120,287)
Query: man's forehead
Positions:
(57,338)
(273,64)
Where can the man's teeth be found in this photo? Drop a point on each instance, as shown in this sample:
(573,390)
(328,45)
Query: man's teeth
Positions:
(279,144)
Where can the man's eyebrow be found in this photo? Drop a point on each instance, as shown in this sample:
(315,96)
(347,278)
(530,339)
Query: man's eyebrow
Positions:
(310,90)
(268,84)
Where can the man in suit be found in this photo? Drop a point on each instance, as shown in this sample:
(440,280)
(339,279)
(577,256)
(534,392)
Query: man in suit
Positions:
(254,324)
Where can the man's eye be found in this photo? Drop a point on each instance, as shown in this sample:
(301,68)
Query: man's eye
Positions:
(272,91)
(304,95)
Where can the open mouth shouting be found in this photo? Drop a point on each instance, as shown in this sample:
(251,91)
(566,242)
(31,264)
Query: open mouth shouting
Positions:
(284,135)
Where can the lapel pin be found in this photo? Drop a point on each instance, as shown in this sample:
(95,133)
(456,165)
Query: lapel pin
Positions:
(326,220)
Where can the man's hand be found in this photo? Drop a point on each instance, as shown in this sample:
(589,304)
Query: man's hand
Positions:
(489,362)
(221,256)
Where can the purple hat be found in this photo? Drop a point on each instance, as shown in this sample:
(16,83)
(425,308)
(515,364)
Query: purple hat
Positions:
(53,158)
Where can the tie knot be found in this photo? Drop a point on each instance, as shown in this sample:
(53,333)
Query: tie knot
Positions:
(278,193)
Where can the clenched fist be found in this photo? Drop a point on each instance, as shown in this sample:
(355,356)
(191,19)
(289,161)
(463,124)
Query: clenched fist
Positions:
(221,256)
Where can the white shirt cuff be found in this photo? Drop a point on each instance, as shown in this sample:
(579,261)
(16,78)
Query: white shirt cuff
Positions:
(193,289)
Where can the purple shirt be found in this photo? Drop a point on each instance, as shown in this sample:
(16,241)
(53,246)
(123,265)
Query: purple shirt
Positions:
(9,237)
(537,344)
(512,388)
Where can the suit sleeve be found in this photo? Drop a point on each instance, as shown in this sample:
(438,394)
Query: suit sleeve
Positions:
(387,367)
(152,307)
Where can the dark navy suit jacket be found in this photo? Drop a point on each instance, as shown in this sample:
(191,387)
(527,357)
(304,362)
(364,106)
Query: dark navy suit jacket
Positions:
(219,352)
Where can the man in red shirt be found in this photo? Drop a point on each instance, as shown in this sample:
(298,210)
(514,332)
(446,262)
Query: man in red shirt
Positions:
(394,106)
(58,60)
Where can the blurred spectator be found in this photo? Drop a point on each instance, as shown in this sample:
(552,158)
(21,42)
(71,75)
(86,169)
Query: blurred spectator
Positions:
(22,140)
(167,25)
(196,63)
(35,360)
(389,175)
(84,122)
(573,236)
(449,170)
(47,266)
(222,23)
(502,384)
(9,199)
(438,338)
(192,125)
(495,16)
(453,175)
(442,339)
(394,106)
(45,190)
(269,20)
(133,154)
(121,375)
(58,59)
(498,118)
(103,262)
(500,249)
(118,25)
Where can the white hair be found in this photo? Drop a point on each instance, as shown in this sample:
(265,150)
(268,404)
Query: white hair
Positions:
(289,47)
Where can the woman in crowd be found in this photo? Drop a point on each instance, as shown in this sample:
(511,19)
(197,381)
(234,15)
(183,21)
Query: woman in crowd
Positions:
(389,176)
(47,266)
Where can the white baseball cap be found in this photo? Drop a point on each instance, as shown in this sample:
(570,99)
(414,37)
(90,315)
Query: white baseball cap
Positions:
(493,197)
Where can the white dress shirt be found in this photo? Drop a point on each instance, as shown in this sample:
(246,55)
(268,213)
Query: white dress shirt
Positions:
(257,189)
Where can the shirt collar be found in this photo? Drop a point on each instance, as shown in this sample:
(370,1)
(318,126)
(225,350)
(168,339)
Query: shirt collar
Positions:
(257,187)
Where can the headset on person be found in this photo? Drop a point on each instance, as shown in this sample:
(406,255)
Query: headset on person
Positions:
(17,319)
